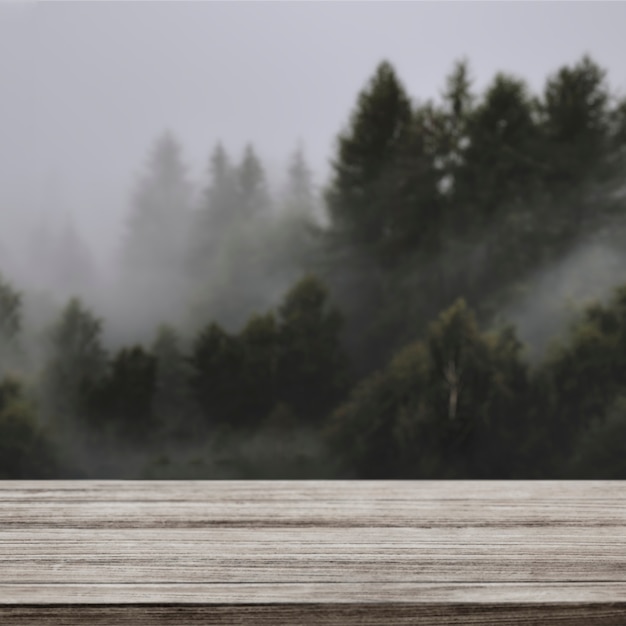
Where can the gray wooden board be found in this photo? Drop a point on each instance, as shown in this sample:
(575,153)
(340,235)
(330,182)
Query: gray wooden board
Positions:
(318,552)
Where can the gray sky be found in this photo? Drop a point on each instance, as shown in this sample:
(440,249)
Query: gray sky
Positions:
(86,87)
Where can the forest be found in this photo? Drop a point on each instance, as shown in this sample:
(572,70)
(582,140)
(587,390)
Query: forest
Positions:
(451,304)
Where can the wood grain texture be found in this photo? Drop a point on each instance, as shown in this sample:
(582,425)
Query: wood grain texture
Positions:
(312,552)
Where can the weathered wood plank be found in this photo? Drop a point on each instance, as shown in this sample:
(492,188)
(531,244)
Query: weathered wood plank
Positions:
(314,593)
(318,615)
(427,556)
(272,552)
(319,491)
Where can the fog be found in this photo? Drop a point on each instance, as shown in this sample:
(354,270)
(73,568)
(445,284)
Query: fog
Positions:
(554,298)
(107,108)
(87,87)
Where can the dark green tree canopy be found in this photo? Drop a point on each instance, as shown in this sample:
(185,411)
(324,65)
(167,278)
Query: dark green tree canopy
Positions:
(76,362)
(312,366)
(576,120)
(126,396)
(442,407)
(445,216)
(357,198)
(172,396)
(458,95)
(10,323)
(76,339)
(500,161)
(25,451)
(216,361)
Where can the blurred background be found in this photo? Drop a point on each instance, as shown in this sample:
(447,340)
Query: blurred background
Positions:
(312,240)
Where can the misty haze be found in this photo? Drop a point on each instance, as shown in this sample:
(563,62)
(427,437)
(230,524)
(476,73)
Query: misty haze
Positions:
(312,240)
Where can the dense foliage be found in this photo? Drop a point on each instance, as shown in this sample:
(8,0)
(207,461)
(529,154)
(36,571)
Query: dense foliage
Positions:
(356,333)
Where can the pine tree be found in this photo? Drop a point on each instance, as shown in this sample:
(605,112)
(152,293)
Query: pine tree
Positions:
(452,405)
(416,207)
(363,191)
(10,325)
(598,453)
(215,216)
(216,360)
(500,161)
(582,146)
(153,276)
(312,369)
(172,396)
(126,397)
(76,363)
(299,192)
(25,451)
(157,228)
(576,120)
(259,341)
(254,196)
(595,353)
(447,132)
(222,197)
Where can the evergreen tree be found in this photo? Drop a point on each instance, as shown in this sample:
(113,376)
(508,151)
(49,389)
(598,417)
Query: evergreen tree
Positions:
(299,193)
(500,160)
(459,99)
(596,354)
(157,229)
(216,360)
(598,453)
(375,204)
(447,130)
(618,137)
(312,369)
(257,254)
(214,219)
(576,121)
(416,211)
(126,396)
(153,277)
(254,198)
(25,451)
(363,187)
(76,363)
(261,351)
(10,325)
(172,395)
(222,196)
(242,277)
(450,406)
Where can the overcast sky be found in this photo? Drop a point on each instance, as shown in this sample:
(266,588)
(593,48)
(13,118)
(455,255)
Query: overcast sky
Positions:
(85,88)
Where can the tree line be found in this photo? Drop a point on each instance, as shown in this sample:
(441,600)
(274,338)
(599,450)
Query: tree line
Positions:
(377,330)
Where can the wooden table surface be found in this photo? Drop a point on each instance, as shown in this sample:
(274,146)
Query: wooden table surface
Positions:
(312,552)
